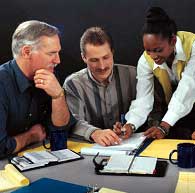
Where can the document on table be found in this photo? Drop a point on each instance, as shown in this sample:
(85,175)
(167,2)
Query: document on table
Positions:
(130,164)
(161,148)
(127,145)
(186,183)
(11,178)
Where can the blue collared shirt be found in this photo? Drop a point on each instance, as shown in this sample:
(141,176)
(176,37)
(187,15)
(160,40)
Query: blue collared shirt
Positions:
(21,106)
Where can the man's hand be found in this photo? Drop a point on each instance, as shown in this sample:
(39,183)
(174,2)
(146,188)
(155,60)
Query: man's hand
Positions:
(124,131)
(158,133)
(105,137)
(47,81)
(37,133)
(154,132)
(193,135)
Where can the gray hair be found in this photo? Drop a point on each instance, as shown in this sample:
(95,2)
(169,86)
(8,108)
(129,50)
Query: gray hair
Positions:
(29,33)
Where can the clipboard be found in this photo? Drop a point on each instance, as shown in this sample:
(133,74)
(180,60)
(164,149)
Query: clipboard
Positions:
(160,169)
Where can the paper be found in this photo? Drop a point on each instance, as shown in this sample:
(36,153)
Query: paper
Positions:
(31,160)
(11,178)
(65,155)
(161,148)
(40,156)
(72,145)
(119,164)
(108,190)
(130,164)
(186,183)
(102,152)
(131,143)
(143,165)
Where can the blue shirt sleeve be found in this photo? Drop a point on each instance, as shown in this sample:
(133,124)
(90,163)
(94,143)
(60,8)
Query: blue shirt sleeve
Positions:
(7,143)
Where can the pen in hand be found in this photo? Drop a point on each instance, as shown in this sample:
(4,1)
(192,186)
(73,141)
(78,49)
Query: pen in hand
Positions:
(123,130)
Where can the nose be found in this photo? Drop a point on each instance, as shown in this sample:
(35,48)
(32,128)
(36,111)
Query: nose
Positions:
(56,58)
(152,55)
(101,64)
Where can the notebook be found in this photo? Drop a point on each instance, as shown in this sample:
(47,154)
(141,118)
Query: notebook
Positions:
(185,183)
(31,160)
(129,145)
(161,148)
(47,185)
(130,164)
(11,178)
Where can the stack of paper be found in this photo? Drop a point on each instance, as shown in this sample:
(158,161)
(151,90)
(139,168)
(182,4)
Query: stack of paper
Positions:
(130,164)
(161,148)
(127,146)
(11,178)
(186,183)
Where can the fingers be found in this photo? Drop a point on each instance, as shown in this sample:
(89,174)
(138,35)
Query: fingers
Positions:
(47,81)
(117,128)
(154,132)
(38,132)
(105,137)
(193,135)
(126,131)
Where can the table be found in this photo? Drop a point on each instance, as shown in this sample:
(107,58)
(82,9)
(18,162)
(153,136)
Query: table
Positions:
(82,172)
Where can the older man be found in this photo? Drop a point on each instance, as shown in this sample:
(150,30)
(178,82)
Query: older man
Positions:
(99,94)
(31,98)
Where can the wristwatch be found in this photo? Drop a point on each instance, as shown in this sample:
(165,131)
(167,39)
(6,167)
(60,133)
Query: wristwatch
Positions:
(164,130)
(133,127)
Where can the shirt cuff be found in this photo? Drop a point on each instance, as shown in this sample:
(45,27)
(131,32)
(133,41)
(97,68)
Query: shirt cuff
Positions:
(88,133)
(7,147)
(171,118)
(135,120)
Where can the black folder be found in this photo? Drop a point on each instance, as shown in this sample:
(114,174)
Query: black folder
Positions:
(160,170)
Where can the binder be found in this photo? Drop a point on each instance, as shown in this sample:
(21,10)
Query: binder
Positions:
(47,185)
(35,160)
(159,171)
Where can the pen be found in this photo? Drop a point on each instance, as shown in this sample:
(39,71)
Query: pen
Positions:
(123,131)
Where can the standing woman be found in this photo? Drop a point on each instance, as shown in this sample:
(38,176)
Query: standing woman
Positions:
(167,64)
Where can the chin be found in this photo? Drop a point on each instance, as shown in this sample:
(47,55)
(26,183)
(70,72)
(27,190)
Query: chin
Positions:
(51,70)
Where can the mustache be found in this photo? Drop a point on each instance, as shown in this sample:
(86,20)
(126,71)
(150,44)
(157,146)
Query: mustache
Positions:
(102,70)
(52,65)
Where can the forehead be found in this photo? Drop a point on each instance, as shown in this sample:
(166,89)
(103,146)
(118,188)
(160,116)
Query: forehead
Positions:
(50,43)
(97,51)
(153,40)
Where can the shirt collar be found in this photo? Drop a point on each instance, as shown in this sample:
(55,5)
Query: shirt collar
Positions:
(180,55)
(97,82)
(22,81)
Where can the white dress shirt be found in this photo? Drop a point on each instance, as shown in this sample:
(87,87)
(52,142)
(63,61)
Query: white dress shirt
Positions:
(182,99)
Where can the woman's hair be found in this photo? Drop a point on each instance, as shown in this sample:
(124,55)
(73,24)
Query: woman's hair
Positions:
(158,22)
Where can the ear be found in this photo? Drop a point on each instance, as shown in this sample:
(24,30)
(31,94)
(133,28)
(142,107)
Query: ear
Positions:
(173,40)
(112,51)
(26,51)
(83,57)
